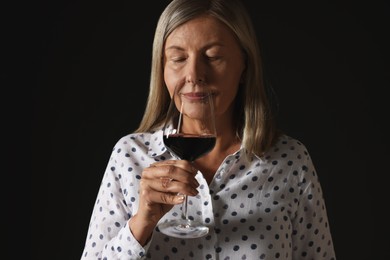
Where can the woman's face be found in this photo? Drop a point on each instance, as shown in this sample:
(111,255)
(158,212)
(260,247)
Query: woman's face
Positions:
(204,49)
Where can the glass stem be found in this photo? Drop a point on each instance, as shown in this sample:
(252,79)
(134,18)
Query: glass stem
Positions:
(184,208)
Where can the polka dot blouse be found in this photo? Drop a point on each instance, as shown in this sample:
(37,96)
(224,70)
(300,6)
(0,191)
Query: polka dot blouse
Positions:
(256,208)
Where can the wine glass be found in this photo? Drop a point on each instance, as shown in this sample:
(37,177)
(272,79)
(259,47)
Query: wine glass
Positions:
(189,133)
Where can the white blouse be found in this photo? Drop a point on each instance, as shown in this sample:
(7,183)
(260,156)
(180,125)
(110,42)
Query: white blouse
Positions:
(262,208)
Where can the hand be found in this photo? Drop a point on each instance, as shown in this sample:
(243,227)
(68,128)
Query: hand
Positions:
(161,186)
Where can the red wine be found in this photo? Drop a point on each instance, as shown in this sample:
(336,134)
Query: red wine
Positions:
(189,147)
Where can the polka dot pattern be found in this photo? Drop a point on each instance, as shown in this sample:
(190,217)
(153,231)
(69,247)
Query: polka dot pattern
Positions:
(256,208)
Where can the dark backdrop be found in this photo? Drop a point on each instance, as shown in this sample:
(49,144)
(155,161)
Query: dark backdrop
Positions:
(78,75)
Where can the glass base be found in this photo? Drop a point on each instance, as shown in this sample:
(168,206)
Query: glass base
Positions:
(182,228)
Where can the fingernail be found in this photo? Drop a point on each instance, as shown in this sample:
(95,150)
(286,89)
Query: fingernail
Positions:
(180,198)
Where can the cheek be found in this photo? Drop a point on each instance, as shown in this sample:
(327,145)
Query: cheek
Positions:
(228,84)
(170,81)
(225,100)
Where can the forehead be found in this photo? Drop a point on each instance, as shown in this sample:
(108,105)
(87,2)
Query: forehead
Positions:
(201,29)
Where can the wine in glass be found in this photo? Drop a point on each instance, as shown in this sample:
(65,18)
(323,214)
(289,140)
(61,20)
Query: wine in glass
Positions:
(189,133)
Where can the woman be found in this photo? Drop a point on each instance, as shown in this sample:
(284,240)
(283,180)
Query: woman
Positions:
(257,190)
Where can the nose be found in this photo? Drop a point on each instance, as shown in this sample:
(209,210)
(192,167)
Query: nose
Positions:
(196,71)
(197,81)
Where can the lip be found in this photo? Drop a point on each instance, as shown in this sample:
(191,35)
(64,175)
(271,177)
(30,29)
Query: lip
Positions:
(195,95)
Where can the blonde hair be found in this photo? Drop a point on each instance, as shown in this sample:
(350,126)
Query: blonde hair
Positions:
(255,122)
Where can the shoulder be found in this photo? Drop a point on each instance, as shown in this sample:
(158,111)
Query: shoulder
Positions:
(136,137)
(288,143)
(289,151)
(146,143)
(132,140)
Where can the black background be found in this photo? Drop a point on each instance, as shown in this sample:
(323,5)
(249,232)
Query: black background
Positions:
(75,79)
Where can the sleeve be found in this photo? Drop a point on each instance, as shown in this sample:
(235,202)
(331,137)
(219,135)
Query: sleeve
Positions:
(311,232)
(109,236)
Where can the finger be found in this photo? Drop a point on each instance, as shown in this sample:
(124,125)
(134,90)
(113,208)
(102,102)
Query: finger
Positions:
(183,164)
(172,199)
(170,171)
(156,197)
(170,185)
(165,184)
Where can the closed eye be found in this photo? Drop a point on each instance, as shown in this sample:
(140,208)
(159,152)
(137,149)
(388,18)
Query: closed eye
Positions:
(214,58)
(178,59)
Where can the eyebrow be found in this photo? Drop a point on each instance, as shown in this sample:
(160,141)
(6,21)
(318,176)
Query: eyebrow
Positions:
(212,44)
(174,47)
